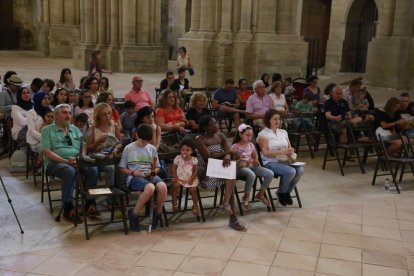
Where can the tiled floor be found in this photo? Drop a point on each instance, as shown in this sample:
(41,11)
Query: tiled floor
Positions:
(346,226)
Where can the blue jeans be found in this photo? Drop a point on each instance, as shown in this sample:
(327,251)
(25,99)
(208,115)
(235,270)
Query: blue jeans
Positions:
(92,175)
(249,174)
(138,183)
(290,175)
(67,174)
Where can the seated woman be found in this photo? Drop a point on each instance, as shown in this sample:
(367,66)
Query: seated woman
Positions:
(60,97)
(108,98)
(388,123)
(275,146)
(169,116)
(279,100)
(103,127)
(213,144)
(66,80)
(92,84)
(104,86)
(41,103)
(243,93)
(198,108)
(19,114)
(85,105)
(314,90)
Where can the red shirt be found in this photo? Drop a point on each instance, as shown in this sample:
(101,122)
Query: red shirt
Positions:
(141,98)
(244,96)
(171,117)
(115,115)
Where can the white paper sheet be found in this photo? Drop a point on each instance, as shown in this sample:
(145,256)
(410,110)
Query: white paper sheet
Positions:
(298,164)
(215,169)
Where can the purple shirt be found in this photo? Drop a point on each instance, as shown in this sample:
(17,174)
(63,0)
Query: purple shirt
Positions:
(258,105)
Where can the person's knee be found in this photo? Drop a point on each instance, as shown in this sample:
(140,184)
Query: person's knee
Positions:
(68,171)
(161,188)
(149,188)
(300,171)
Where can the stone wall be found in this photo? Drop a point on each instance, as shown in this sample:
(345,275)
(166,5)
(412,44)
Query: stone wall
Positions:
(23,18)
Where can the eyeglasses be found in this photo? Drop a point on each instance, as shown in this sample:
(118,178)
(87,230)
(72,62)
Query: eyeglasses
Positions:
(68,140)
(137,81)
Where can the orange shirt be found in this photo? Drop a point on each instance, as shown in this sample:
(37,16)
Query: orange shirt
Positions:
(170,117)
(244,95)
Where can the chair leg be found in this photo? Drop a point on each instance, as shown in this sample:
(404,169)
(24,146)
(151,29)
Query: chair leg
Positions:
(124,220)
(298,197)
(49,195)
(215,197)
(200,206)
(164,212)
(376,171)
(236,193)
(269,193)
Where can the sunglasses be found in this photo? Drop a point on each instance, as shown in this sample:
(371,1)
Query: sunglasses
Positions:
(68,140)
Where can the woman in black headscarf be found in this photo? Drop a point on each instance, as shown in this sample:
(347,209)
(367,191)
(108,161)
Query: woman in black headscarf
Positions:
(19,114)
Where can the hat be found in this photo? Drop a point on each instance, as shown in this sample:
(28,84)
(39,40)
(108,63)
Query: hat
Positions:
(15,80)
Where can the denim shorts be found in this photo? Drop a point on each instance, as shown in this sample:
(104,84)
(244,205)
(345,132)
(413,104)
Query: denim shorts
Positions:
(138,183)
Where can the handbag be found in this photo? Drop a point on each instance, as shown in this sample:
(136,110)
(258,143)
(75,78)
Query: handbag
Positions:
(382,132)
(191,71)
(287,159)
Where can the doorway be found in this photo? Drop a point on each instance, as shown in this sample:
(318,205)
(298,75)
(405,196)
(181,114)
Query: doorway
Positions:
(360,29)
(316,16)
(9,35)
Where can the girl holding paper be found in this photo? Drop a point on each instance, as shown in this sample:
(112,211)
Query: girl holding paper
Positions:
(275,147)
(213,144)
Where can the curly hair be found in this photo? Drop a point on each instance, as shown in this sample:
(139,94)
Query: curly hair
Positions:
(164,98)
(198,96)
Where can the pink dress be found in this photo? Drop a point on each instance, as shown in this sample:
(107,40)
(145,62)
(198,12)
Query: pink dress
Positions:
(185,170)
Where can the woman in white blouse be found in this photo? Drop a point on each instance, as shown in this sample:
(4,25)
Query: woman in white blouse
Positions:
(41,103)
(19,114)
(275,147)
(279,100)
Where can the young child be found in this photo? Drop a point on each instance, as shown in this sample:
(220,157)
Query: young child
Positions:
(73,99)
(306,106)
(140,162)
(48,119)
(81,121)
(128,119)
(185,173)
(248,166)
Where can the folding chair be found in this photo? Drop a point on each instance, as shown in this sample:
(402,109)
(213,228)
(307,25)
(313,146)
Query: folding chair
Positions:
(30,163)
(388,161)
(48,189)
(186,199)
(253,195)
(87,194)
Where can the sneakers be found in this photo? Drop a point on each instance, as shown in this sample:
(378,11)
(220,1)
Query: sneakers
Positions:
(225,208)
(133,220)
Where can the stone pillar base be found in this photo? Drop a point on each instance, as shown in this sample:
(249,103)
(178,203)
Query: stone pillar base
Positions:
(387,62)
(62,38)
(140,59)
(42,33)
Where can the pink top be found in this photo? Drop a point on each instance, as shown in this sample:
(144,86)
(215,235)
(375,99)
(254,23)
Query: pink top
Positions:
(246,154)
(141,98)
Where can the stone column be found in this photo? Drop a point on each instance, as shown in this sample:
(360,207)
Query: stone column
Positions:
(286,16)
(69,12)
(102,20)
(195,15)
(208,16)
(403,18)
(128,16)
(88,22)
(266,16)
(56,11)
(245,16)
(143,24)
(45,11)
(114,23)
(226,16)
(157,22)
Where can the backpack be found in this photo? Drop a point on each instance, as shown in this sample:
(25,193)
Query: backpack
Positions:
(17,162)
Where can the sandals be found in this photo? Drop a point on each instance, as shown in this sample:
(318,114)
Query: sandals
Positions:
(264,200)
(237,225)
(195,210)
(175,208)
(226,209)
(92,210)
(245,203)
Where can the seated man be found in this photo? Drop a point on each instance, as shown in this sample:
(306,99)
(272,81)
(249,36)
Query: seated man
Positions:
(226,103)
(47,86)
(356,100)
(138,95)
(140,163)
(169,82)
(60,144)
(258,103)
(337,111)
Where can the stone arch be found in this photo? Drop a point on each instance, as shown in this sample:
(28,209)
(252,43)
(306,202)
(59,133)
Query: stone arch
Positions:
(360,27)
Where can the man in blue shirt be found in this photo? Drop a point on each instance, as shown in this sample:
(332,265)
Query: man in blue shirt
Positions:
(226,103)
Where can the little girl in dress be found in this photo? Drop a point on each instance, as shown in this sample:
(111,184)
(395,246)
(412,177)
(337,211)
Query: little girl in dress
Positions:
(185,174)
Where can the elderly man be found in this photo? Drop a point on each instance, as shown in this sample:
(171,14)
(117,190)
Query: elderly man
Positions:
(226,103)
(337,111)
(60,144)
(258,103)
(138,95)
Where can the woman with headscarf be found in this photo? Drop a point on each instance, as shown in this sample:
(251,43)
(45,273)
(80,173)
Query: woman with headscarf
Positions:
(19,114)
(41,103)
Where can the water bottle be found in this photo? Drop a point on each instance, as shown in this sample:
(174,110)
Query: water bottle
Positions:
(387,185)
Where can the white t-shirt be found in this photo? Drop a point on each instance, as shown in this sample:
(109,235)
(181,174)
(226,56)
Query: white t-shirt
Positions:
(275,141)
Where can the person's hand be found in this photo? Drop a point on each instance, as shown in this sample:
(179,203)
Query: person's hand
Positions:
(71,162)
(255,162)
(338,118)
(103,138)
(289,151)
(181,129)
(226,162)
(139,173)
(175,181)
(190,182)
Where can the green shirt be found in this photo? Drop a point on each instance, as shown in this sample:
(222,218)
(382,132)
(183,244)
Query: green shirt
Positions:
(302,107)
(54,138)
